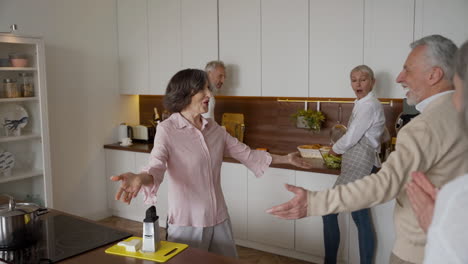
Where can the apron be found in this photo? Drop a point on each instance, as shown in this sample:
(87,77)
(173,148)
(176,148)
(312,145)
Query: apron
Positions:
(357,162)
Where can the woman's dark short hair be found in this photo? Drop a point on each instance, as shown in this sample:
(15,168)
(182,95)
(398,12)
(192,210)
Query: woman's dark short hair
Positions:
(182,86)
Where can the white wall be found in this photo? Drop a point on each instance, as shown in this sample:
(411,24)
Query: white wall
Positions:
(83,96)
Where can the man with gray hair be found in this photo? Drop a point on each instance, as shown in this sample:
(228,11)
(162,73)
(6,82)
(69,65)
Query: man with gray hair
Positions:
(216,75)
(433,143)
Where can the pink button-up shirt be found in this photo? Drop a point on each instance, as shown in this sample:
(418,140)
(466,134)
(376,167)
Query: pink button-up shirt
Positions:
(193,159)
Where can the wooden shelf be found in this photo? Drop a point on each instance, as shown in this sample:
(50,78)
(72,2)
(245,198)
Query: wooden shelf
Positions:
(18,99)
(18,69)
(19,174)
(19,138)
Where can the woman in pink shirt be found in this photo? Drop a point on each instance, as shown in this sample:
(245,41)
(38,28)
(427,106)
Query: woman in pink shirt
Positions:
(191,149)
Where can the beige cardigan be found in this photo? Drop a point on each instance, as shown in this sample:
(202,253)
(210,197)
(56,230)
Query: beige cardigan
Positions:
(434,143)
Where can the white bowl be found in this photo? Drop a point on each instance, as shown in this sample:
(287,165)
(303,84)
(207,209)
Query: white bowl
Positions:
(309,151)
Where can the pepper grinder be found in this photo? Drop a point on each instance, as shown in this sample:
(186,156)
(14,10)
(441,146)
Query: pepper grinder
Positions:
(150,230)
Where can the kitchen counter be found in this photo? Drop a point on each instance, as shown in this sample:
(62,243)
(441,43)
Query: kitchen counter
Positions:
(190,255)
(318,165)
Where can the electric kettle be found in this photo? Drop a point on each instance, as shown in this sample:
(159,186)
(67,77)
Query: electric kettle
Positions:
(125,132)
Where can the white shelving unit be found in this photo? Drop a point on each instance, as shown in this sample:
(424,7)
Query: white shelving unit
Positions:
(30,179)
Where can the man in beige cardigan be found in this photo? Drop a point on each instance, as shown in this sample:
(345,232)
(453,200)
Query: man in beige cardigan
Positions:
(433,143)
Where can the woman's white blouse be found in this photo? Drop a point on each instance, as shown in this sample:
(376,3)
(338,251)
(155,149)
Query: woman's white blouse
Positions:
(367,120)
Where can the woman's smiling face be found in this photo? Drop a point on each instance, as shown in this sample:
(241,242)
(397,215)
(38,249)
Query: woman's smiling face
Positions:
(361,83)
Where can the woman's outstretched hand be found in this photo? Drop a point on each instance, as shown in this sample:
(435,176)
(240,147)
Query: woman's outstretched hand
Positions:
(130,185)
(295,159)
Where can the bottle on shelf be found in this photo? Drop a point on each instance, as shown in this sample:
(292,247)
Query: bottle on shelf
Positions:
(26,86)
(11,88)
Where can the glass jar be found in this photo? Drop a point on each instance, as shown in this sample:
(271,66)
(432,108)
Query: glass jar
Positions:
(11,89)
(26,85)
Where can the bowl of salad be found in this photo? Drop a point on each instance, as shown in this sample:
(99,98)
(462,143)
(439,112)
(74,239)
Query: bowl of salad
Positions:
(331,161)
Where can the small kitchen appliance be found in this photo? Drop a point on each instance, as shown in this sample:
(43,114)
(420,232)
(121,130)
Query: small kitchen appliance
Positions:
(124,131)
(150,231)
(143,133)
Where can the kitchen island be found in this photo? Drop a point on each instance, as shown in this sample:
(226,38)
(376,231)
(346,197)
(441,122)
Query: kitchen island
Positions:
(189,255)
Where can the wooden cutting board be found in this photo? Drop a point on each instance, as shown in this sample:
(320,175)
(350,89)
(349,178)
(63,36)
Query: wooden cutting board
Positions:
(163,253)
(234,124)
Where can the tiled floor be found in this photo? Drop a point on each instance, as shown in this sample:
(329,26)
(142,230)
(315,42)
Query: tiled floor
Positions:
(250,255)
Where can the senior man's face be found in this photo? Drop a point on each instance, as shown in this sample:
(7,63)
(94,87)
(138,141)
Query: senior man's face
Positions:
(200,101)
(414,76)
(217,77)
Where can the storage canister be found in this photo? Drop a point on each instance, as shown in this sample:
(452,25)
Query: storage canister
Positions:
(10,88)
(26,84)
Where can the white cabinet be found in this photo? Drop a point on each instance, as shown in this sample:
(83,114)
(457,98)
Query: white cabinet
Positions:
(309,230)
(382,217)
(285,26)
(132,25)
(240,43)
(165,57)
(30,178)
(446,18)
(158,38)
(336,40)
(234,185)
(386,42)
(118,162)
(263,193)
(199,32)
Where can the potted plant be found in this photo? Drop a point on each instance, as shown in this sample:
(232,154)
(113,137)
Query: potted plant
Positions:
(310,119)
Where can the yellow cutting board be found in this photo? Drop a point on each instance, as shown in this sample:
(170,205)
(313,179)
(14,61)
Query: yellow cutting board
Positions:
(165,247)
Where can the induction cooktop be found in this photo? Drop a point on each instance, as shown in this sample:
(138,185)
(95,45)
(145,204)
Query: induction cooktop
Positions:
(63,237)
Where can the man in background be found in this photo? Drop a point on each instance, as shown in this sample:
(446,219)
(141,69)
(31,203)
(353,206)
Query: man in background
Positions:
(216,74)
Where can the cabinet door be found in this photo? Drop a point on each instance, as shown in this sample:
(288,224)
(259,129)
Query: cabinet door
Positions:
(118,162)
(309,230)
(264,193)
(133,46)
(199,32)
(382,217)
(234,185)
(336,46)
(239,46)
(446,18)
(165,57)
(285,37)
(141,160)
(386,42)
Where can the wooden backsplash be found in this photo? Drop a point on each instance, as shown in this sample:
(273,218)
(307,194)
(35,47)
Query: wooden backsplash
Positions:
(268,123)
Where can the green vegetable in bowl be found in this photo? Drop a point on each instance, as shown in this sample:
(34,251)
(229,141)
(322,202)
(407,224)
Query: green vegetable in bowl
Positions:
(331,161)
